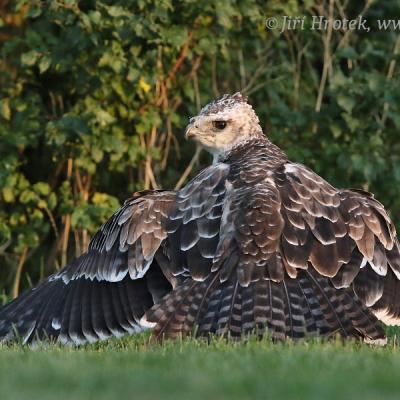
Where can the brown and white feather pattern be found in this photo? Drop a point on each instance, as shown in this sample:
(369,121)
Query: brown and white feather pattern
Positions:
(308,259)
(106,291)
(253,244)
(136,231)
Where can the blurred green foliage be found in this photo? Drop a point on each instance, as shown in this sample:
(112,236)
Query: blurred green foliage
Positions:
(94,97)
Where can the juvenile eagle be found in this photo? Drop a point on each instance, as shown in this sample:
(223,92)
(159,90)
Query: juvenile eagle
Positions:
(254,243)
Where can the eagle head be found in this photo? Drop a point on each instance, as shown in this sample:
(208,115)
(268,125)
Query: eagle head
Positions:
(224,123)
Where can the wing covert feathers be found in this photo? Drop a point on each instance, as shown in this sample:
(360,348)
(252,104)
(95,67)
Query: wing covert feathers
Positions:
(305,258)
(253,244)
(127,242)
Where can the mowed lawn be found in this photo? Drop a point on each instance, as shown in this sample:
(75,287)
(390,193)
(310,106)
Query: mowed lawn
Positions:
(133,368)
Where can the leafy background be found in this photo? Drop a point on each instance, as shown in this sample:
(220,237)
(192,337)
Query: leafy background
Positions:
(95,95)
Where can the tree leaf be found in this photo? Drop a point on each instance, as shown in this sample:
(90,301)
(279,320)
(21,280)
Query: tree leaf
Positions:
(44,63)
(30,58)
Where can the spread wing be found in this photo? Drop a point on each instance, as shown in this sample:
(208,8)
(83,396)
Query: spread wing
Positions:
(127,243)
(344,235)
(129,266)
(105,291)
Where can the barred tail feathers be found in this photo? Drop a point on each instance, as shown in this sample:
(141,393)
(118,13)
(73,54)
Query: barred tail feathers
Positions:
(308,306)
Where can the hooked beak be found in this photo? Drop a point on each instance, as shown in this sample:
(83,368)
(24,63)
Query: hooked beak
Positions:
(190,132)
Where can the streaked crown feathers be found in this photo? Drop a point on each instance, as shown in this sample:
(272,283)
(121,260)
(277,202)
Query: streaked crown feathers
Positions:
(228,102)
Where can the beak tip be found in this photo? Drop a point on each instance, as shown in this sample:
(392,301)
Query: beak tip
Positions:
(189,133)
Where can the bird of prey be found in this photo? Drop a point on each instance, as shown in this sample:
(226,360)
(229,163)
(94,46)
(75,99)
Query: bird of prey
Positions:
(254,243)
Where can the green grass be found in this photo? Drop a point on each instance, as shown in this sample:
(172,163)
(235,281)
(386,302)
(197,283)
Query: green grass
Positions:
(133,368)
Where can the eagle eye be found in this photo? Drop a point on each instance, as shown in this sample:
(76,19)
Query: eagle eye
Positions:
(220,125)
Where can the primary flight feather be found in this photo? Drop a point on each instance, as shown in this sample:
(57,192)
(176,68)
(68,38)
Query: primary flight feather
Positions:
(253,244)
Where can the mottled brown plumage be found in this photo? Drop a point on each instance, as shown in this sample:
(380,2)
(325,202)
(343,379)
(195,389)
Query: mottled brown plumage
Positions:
(253,244)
